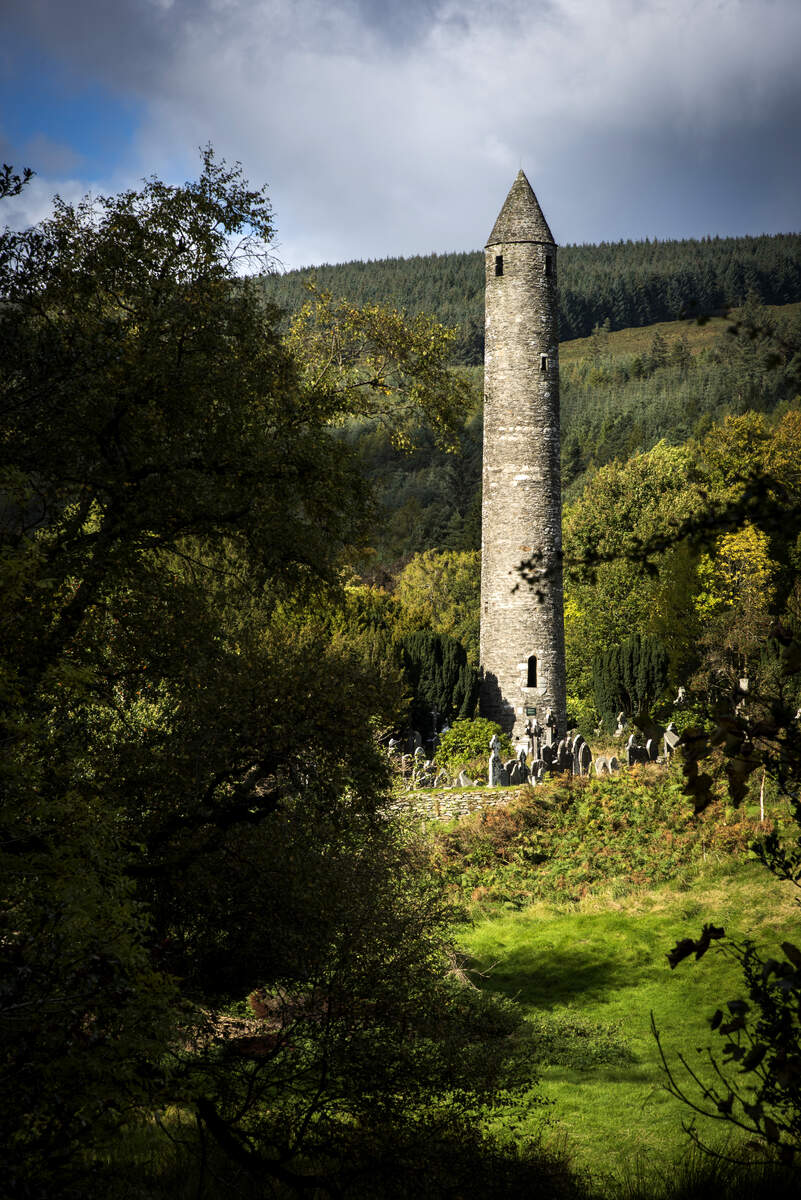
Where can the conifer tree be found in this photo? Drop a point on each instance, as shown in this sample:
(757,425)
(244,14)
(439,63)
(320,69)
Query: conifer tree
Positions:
(629,677)
(439,677)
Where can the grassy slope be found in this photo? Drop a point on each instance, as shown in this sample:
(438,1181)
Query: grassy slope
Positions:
(638,339)
(590,976)
(578,891)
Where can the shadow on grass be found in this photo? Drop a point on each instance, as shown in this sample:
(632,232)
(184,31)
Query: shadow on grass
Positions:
(600,1076)
(551,977)
(701,1177)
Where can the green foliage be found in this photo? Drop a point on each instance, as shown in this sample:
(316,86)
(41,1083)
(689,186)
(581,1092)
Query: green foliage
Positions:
(694,545)
(757,1087)
(629,678)
(191,786)
(375,361)
(85,1016)
(590,836)
(467,740)
(613,284)
(613,588)
(440,590)
(753,1083)
(624,397)
(439,677)
(429,498)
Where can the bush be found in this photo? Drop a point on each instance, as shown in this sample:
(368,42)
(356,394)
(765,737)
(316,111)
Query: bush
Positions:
(582,715)
(569,839)
(469,739)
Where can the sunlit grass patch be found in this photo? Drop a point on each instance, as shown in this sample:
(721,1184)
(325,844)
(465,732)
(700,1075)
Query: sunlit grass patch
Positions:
(591,974)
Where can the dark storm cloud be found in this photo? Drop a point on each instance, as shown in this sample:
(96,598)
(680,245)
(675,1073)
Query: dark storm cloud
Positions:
(386,128)
(400,24)
(128,43)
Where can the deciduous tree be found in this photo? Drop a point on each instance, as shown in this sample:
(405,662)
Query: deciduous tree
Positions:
(189,760)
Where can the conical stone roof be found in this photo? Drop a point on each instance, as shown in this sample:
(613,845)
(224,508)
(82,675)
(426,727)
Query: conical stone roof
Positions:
(520,219)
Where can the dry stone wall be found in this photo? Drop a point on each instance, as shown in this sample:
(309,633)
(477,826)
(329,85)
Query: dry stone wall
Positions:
(449,806)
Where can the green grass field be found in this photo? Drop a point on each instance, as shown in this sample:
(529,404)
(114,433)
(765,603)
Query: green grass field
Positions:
(590,975)
(638,339)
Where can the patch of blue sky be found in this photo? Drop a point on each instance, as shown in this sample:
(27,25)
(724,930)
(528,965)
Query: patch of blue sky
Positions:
(67,123)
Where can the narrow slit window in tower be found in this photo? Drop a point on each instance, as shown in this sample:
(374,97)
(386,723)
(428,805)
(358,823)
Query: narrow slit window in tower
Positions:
(499,264)
(543,362)
(549,264)
(531,678)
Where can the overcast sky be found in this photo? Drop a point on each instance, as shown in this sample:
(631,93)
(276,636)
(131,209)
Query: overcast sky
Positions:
(397,128)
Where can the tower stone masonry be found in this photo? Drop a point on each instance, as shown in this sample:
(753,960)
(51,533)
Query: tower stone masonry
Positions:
(522,625)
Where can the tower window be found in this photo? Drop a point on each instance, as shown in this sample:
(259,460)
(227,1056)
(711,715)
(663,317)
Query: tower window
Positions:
(543,362)
(549,264)
(531,678)
(499,264)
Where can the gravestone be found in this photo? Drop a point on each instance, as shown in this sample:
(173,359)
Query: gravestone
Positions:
(534,733)
(495,764)
(635,753)
(519,773)
(670,740)
(575,749)
(550,731)
(564,757)
(585,759)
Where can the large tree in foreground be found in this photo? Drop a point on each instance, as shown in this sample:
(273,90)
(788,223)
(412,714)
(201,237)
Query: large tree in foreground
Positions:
(190,786)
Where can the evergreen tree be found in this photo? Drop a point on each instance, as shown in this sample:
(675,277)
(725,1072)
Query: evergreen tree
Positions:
(629,677)
(439,678)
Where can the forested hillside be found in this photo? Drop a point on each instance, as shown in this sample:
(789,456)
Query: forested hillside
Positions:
(621,393)
(630,283)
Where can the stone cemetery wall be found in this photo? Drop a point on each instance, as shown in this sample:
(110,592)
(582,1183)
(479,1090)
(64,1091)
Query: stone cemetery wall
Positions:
(448,806)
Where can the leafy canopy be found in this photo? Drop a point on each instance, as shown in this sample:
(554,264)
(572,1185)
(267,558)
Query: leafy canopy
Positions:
(190,785)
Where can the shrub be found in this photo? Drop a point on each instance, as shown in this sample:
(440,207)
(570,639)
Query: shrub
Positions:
(469,739)
(569,839)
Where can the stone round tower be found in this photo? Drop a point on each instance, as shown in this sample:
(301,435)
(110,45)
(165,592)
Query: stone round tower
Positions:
(522,623)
